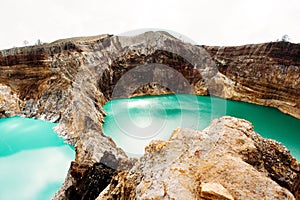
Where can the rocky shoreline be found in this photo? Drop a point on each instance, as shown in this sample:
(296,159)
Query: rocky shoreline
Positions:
(68,81)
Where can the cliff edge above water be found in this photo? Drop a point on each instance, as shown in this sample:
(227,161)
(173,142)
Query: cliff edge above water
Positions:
(68,81)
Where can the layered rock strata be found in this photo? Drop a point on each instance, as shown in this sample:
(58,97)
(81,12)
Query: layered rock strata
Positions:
(69,81)
(266,74)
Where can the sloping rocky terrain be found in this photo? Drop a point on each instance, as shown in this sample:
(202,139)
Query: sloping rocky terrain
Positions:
(68,81)
(227,160)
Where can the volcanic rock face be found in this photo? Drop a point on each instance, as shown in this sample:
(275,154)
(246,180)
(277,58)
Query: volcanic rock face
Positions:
(227,160)
(9,102)
(69,81)
(266,74)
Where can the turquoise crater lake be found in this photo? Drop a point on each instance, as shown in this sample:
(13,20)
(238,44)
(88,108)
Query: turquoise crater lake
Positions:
(134,122)
(33,160)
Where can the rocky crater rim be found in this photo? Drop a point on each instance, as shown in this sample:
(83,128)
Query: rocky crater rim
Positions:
(241,68)
(68,81)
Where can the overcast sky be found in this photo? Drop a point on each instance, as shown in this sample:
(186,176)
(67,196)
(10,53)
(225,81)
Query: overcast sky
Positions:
(209,22)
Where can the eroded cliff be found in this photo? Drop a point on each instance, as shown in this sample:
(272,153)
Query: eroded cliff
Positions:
(266,74)
(69,81)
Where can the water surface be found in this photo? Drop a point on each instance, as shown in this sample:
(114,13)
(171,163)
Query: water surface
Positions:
(134,122)
(33,160)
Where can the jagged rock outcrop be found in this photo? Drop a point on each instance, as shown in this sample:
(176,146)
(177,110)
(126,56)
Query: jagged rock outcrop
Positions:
(69,81)
(227,160)
(9,102)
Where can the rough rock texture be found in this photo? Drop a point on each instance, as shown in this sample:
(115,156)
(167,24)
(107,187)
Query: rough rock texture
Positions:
(9,102)
(68,81)
(266,74)
(152,88)
(214,191)
(227,160)
(91,180)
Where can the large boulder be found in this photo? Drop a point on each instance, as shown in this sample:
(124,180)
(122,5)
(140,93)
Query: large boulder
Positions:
(227,160)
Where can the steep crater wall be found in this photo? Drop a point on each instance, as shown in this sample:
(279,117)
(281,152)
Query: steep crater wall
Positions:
(266,74)
(69,81)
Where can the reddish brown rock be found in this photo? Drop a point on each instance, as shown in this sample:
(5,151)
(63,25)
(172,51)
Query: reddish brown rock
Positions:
(69,81)
(266,74)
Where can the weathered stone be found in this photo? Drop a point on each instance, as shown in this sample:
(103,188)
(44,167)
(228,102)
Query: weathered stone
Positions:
(89,181)
(266,74)
(69,81)
(214,191)
(151,89)
(9,102)
(181,167)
